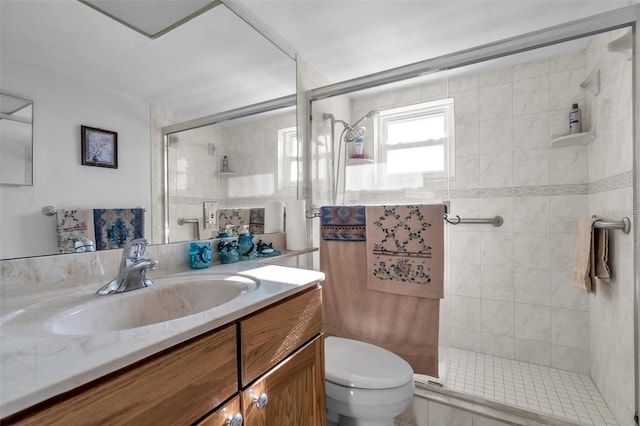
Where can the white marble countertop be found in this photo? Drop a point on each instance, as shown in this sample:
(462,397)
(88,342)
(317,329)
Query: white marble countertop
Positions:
(36,365)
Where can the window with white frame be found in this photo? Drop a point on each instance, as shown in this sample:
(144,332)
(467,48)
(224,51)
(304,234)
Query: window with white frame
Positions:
(287,157)
(418,139)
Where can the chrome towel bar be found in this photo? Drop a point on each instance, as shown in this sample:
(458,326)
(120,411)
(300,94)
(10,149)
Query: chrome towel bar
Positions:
(495,220)
(624,225)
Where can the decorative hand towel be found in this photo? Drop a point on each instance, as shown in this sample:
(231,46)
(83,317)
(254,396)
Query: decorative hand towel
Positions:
(590,256)
(256,221)
(72,227)
(405,250)
(116,227)
(405,325)
(235,217)
(343,223)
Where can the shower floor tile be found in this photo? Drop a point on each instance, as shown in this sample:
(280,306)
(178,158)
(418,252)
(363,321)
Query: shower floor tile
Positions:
(560,393)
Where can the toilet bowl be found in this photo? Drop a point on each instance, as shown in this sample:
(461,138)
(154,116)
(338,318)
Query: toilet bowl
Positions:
(366,385)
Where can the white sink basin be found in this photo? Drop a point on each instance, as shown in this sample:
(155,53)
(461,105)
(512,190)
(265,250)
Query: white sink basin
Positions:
(169,299)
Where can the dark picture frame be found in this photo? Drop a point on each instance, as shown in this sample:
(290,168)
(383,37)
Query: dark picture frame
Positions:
(99,147)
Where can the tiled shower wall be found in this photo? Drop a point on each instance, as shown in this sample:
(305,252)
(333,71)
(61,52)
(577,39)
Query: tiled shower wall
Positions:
(508,292)
(611,196)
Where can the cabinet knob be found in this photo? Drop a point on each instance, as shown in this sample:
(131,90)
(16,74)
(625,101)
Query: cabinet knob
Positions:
(261,401)
(235,420)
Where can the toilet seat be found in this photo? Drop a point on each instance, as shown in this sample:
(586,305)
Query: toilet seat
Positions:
(361,365)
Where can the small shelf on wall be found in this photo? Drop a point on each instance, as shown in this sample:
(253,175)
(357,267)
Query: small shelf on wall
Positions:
(356,161)
(575,139)
(227,174)
(622,45)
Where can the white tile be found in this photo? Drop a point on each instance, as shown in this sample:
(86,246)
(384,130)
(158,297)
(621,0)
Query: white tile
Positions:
(531,95)
(467,173)
(531,168)
(570,328)
(466,106)
(465,280)
(568,165)
(532,351)
(530,69)
(497,317)
(531,250)
(567,61)
(531,214)
(496,135)
(465,247)
(532,286)
(467,140)
(442,415)
(466,339)
(498,345)
(463,82)
(495,101)
(531,131)
(497,282)
(496,248)
(492,78)
(465,313)
(565,90)
(533,322)
(433,90)
(562,250)
(566,210)
(572,359)
(496,170)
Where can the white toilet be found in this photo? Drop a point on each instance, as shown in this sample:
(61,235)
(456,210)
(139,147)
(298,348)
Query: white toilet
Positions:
(366,385)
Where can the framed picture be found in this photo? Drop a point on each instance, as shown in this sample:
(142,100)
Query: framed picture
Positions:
(99,147)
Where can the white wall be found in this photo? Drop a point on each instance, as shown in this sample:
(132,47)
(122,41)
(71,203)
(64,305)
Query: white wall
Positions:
(61,106)
(611,196)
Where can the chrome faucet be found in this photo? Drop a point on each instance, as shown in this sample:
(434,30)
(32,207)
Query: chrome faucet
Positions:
(133,268)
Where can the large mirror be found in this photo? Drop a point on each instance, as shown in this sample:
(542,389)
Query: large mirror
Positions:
(220,177)
(16,141)
(82,68)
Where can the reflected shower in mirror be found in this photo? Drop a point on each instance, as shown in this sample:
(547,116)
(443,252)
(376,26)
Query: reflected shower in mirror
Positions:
(239,163)
(16,141)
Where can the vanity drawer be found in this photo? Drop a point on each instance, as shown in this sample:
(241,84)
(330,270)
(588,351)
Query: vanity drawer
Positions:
(174,387)
(269,336)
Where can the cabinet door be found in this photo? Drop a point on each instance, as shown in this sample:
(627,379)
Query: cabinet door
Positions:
(228,414)
(271,335)
(294,391)
(175,387)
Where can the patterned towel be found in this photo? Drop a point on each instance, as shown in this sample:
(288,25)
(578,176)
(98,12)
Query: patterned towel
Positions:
(235,217)
(72,225)
(405,250)
(116,227)
(343,223)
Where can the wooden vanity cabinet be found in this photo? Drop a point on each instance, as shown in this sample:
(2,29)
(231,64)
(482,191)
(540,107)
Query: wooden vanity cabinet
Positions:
(277,352)
(175,387)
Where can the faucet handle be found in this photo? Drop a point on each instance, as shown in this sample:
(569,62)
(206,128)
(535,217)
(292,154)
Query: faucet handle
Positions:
(132,251)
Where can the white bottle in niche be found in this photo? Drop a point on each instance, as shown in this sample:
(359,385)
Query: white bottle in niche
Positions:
(575,120)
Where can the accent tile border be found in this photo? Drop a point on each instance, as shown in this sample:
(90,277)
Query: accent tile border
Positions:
(623,180)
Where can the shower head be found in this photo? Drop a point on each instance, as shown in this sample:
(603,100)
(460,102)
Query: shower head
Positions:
(370,114)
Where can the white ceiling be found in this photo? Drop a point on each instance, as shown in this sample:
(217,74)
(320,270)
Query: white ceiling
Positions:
(215,62)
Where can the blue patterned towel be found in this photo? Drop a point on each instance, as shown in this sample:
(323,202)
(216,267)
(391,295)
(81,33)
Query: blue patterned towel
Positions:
(343,223)
(116,227)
